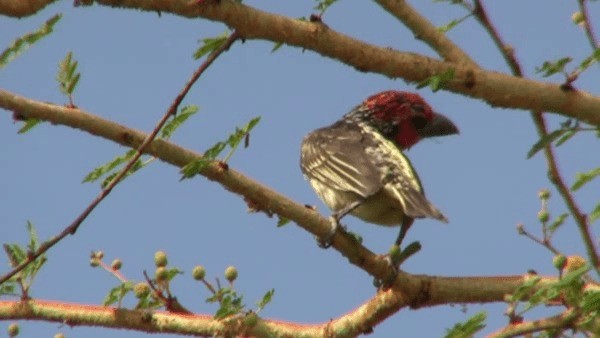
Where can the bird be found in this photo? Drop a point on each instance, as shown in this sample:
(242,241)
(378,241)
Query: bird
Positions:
(357,165)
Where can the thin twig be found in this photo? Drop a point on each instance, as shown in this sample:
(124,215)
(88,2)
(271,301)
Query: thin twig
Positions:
(587,26)
(543,242)
(114,272)
(72,228)
(424,30)
(540,123)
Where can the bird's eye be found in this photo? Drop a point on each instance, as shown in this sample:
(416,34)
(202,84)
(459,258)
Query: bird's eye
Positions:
(419,122)
(418,109)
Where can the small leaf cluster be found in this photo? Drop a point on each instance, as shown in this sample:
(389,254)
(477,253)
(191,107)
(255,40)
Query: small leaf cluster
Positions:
(19,46)
(468,328)
(560,136)
(111,169)
(558,66)
(151,294)
(233,141)
(572,290)
(17,254)
(67,76)
(23,43)
(437,82)
(209,45)
(323,5)
(230,302)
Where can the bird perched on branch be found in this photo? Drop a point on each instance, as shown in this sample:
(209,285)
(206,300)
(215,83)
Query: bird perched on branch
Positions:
(357,167)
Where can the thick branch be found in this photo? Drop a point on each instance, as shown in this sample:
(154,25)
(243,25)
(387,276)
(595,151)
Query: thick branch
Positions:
(497,89)
(22,8)
(418,290)
(424,30)
(359,321)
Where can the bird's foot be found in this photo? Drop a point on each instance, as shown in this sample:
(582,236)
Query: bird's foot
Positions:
(326,242)
(394,258)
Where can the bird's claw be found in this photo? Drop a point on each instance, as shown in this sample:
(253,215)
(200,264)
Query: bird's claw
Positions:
(326,242)
(394,258)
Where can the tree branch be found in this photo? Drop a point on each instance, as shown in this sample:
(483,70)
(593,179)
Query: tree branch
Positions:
(419,290)
(497,89)
(561,321)
(22,8)
(424,30)
(587,26)
(540,123)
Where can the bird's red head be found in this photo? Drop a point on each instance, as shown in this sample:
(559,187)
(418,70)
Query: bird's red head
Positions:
(405,117)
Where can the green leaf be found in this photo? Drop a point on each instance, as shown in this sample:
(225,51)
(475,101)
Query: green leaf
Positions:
(210,44)
(323,5)
(195,167)
(453,23)
(172,272)
(171,126)
(567,136)
(265,300)
(590,60)
(525,289)
(439,81)
(549,68)
(104,169)
(582,179)
(569,282)
(67,76)
(234,139)
(595,214)
(135,167)
(544,141)
(230,302)
(117,293)
(445,28)
(558,221)
(282,221)
(276,46)
(30,123)
(16,254)
(23,43)
(468,328)
(590,301)
(8,288)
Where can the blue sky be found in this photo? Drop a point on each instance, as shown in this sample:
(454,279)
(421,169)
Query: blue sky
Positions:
(133,64)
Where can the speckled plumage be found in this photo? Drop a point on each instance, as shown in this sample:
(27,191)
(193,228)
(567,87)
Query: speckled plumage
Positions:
(357,162)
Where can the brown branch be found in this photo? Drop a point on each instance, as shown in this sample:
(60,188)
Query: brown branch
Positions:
(424,30)
(358,321)
(542,130)
(561,321)
(419,290)
(72,228)
(22,8)
(497,89)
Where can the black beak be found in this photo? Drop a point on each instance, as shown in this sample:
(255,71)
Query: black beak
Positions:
(440,125)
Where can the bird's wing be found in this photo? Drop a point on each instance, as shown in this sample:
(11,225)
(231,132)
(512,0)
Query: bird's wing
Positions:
(402,181)
(335,156)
